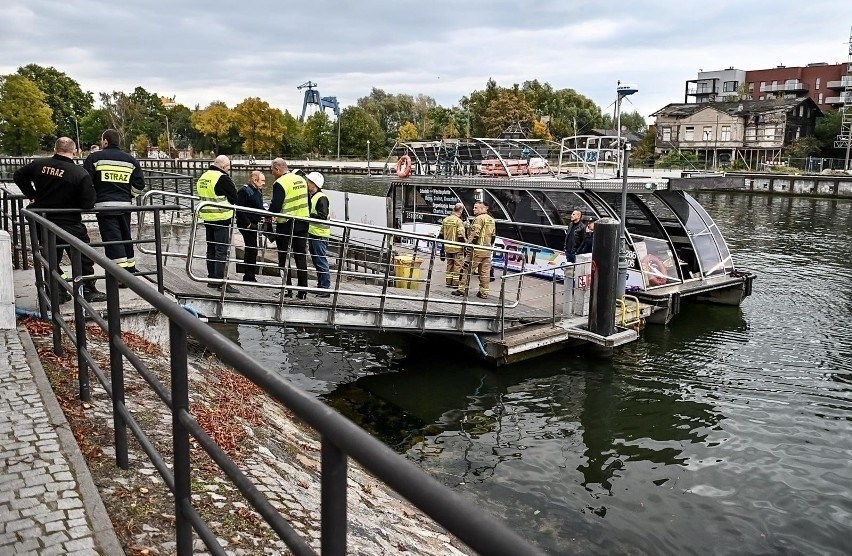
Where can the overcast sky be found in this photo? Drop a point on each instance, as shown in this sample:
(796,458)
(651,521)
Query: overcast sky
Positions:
(205,51)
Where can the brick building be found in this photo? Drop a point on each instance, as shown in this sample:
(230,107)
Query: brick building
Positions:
(823,83)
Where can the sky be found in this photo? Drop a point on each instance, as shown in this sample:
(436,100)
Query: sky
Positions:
(199,52)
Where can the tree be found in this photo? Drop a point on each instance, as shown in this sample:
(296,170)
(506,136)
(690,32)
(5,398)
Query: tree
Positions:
(408,132)
(92,125)
(140,145)
(645,149)
(633,121)
(120,112)
(25,116)
(391,111)
(357,127)
(539,131)
(476,104)
(215,121)
(68,102)
(508,108)
(802,147)
(252,119)
(293,140)
(319,133)
(678,159)
(827,128)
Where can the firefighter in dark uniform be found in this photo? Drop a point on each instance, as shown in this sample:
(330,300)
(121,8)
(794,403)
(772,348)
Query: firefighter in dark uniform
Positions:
(57,182)
(115,175)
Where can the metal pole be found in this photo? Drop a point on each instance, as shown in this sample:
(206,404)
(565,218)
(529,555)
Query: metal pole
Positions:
(80,326)
(621,284)
(333,499)
(180,436)
(602,301)
(338,137)
(618,129)
(368,158)
(168,137)
(116,368)
(77,127)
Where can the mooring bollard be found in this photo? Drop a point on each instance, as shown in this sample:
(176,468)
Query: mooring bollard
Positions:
(7,285)
(604,277)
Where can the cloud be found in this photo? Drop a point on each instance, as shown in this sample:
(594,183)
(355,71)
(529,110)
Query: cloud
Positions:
(205,51)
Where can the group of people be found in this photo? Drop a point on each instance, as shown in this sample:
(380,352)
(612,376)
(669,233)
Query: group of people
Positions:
(107,180)
(579,236)
(463,261)
(294,196)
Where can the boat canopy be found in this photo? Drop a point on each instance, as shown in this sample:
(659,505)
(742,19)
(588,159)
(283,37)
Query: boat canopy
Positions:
(671,238)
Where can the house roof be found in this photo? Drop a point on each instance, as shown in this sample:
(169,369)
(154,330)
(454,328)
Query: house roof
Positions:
(737,108)
(630,136)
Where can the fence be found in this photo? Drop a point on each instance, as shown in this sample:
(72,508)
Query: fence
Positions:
(340,439)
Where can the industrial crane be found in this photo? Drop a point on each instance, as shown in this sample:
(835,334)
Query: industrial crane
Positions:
(312,96)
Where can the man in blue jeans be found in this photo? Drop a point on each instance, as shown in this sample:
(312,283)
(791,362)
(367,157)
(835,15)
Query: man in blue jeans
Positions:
(318,234)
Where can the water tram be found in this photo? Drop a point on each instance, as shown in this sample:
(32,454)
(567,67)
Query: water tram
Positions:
(676,251)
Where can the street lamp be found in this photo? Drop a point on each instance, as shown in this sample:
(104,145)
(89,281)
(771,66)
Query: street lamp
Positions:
(168,137)
(624,151)
(621,92)
(77,127)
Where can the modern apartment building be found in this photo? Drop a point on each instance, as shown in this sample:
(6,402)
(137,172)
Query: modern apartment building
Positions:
(823,83)
(714,86)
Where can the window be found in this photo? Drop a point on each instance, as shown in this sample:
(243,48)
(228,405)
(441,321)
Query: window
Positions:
(729,86)
(761,97)
(820,99)
(667,134)
(689,134)
(774,83)
(762,85)
(726,133)
(769,132)
(751,87)
(801,110)
(816,86)
(707,133)
(750,134)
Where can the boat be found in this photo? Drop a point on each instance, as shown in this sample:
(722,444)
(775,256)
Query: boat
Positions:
(676,252)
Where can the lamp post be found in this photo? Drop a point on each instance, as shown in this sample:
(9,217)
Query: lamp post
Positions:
(168,137)
(338,137)
(624,151)
(77,127)
(368,158)
(706,148)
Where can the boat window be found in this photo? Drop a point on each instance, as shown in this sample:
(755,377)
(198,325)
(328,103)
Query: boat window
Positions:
(684,250)
(565,202)
(600,206)
(549,208)
(702,231)
(433,203)
(655,259)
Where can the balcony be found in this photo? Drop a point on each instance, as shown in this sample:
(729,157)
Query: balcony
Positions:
(839,100)
(839,85)
(792,86)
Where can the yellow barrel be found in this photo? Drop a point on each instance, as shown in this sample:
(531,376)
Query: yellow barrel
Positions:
(406,269)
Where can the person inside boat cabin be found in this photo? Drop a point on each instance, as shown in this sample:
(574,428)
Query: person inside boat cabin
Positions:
(588,235)
(574,235)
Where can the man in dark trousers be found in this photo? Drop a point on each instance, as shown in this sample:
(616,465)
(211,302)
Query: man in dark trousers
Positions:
(115,175)
(216,186)
(290,197)
(57,182)
(251,196)
(574,235)
(318,234)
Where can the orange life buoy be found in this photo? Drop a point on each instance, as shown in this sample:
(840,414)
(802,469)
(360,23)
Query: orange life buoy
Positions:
(403,166)
(654,270)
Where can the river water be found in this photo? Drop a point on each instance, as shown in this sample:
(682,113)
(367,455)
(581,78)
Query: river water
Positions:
(727,432)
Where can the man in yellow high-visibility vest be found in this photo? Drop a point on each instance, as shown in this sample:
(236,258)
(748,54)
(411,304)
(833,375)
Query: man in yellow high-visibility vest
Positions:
(318,234)
(216,186)
(289,200)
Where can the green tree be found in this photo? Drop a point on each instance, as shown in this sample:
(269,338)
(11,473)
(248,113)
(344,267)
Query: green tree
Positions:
(357,126)
(827,128)
(391,111)
(25,116)
(67,101)
(408,132)
(633,121)
(802,147)
(92,125)
(645,149)
(678,159)
(293,140)
(215,121)
(120,112)
(319,133)
(476,104)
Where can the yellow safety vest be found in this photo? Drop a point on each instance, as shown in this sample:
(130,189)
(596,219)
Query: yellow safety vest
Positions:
(452,229)
(486,230)
(205,188)
(318,230)
(295,196)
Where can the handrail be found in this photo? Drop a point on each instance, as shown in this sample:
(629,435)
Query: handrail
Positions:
(340,437)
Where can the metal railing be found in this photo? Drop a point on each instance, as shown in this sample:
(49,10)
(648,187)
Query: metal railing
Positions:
(340,438)
(356,252)
(13,221)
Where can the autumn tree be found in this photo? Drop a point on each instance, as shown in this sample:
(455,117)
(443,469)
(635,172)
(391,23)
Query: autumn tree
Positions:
(408,132)
(25,116)
(253,120)
(539,131)
(140,145)
(67,101)
(508,108)
(215,121)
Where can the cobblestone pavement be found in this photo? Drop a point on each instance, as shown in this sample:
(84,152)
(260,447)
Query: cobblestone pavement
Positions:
(43,505)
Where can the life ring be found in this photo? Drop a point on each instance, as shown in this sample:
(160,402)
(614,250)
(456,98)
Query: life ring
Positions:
(654,270)
(403,166)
